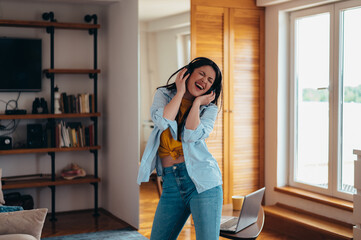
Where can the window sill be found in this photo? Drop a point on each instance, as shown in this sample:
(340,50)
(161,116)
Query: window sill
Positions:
(316,197)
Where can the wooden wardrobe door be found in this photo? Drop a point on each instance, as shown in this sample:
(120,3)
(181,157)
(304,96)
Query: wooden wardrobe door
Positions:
(209,38)
(247,100)
(231,32)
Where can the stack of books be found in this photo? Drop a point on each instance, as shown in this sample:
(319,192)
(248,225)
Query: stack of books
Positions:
(73,134)
(81,103)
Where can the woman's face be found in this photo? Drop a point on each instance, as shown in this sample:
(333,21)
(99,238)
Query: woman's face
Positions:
(201,80)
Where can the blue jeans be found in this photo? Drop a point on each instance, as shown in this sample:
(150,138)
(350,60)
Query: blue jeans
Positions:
(179,199)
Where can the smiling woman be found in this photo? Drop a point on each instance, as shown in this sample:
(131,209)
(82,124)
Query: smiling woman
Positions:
(184,113)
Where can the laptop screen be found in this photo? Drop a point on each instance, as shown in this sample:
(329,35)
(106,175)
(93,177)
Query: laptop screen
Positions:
(250,209)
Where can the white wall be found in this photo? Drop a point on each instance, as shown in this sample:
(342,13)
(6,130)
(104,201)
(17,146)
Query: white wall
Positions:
(146,92)
(167,52)
(121,113)
(118,102)
(276,107)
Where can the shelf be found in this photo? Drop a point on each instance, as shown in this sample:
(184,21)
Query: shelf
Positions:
(45,182)
(43,24)
(72,71)
(46,150)
(47,116)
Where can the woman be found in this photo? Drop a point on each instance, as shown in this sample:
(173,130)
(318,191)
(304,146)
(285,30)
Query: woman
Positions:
(184,113)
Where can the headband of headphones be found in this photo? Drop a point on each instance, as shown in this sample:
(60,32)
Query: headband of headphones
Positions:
(204,59)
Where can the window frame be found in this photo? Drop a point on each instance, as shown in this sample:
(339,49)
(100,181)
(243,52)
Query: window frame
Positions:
(339,8)
(335,96)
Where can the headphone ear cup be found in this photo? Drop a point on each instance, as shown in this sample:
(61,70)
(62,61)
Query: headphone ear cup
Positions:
(188,71)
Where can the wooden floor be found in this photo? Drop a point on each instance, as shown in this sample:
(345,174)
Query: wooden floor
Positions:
(84,221)
(81,222)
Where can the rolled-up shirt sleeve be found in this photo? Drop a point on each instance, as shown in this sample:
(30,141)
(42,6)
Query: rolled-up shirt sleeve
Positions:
(205,127)
(156,111)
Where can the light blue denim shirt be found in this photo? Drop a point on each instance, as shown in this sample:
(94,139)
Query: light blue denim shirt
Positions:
(202,167)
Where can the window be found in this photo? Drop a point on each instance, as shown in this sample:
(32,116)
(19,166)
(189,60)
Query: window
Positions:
(325,99)
(183,49)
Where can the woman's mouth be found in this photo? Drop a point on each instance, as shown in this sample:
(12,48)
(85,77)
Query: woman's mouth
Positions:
(200,87)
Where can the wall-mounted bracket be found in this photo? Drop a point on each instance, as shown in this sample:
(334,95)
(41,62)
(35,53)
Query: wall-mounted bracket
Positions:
(93,151)
(92,75)
(88,19)
(50,30)
(49,75)
(48,16)
(51,154)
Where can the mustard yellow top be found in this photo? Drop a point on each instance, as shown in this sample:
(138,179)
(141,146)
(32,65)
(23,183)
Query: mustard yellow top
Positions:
(169,145)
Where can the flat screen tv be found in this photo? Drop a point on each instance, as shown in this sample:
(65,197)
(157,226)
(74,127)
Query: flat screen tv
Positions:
(20,65)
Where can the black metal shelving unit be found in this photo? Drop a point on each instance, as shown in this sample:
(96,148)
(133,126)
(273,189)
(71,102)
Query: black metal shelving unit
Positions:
(51,26)
(49,16)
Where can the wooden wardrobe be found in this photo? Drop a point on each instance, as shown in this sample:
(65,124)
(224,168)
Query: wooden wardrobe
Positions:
(231,32)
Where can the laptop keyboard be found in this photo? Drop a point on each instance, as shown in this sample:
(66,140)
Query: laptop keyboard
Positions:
(229,223)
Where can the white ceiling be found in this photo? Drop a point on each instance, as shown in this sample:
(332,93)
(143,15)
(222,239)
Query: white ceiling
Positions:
(154,9)
(148,9)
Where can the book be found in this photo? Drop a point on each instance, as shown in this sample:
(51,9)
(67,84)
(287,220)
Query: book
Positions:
(91,135)
(74,137)
(57,140)
(69,102)
(61,140)
(61,103)
(81,136)
(73,104)
(70,137)
(64,135)
(65,104)
(91,104)
(86,102)
(86,136)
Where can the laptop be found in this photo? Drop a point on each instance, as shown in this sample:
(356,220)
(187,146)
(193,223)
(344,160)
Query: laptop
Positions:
(248,214)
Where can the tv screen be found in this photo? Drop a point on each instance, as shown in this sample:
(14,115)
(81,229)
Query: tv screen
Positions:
(20,65)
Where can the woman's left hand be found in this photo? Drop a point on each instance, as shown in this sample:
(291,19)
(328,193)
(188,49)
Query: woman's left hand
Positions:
(205,99)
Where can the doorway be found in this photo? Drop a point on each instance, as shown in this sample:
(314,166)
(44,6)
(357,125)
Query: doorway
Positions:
(164,47)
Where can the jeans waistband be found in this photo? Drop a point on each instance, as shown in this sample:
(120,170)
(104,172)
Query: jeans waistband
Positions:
(179,166)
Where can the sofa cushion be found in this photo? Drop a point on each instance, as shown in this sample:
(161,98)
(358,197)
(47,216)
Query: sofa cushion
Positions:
(23,222)
(17,237)
(1,191)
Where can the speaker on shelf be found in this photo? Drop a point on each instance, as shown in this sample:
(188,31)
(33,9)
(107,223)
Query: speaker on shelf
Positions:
(35,137)
(5,143)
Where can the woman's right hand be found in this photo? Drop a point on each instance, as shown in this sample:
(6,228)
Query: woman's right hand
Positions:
(180,81)
(205,99)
